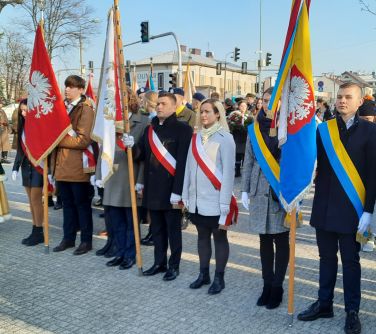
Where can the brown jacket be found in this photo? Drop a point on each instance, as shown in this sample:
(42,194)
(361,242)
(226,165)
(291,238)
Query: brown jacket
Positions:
(66,161)
(188,116)
(4,132)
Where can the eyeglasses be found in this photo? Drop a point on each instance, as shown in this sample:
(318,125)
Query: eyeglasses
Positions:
(265,101)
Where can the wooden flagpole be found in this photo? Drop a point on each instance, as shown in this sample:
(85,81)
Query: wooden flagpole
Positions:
(124,97)
(45,180)
(290,306)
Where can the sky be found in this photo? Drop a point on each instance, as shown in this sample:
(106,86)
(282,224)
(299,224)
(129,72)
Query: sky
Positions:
(343,37)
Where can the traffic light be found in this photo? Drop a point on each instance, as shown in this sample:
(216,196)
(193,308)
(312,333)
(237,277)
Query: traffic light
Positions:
(145,31)
(218,68)
(173,77)
(244,67)
(237,54)
(91,66)
(268,59)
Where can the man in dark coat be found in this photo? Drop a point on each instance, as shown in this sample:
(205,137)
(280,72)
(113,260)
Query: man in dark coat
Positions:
(162,192)
(334,216)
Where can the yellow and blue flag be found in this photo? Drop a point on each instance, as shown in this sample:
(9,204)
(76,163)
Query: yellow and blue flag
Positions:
(296,127)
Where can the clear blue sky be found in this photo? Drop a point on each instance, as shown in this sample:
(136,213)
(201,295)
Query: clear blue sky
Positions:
(342,36)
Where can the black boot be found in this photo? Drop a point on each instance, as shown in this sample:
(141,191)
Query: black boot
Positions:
(104,249)
(36,237)
(26,240)
(264,298)
(203,278)
(218,284)
(148,240)
(275,297)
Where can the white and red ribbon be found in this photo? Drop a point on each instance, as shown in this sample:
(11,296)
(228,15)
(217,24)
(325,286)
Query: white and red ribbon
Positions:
(88,158)
(161,153)
(214,175)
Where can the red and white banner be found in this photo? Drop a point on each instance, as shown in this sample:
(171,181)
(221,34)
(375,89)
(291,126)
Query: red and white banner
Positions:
(160,152)
(90,91)
(46,122)
(215,176)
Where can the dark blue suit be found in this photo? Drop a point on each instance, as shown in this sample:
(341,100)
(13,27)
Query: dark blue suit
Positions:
(335,218)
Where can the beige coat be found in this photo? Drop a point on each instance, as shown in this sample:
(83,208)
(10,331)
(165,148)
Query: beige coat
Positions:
(4,132)
(66,160)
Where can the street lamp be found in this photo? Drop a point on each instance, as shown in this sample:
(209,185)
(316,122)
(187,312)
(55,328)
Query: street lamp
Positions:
(3,3)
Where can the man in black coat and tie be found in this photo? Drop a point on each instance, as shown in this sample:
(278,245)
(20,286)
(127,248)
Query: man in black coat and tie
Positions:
(164,149)
(334,216)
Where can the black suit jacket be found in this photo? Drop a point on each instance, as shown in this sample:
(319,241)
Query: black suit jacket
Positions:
(332,209)
(159,183)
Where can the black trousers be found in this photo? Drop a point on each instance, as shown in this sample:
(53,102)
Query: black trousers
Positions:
(274,264)
(76,197)
(328,243)
(221,245)
(166,230)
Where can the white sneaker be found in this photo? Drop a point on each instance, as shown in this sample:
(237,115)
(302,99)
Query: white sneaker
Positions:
(368,247)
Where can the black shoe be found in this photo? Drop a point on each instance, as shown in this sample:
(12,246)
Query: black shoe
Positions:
(352,325)
(275,298)
(50,202)
(218,284)
(264,298)
(37,237)
(316,311)
(98,202)
(64,244)
(203,279)
(112,251)
(58,206)
(25,241)
(83,248)
(127,264)
(115,261)
(148,240)
(155,269)
(105,249)
(171,274)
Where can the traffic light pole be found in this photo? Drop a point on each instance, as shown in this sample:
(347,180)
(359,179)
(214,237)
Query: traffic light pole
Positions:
(180,67)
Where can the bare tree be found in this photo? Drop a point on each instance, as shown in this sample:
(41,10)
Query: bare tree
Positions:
(3,3)
(14,64)
(364,5)
(65,22)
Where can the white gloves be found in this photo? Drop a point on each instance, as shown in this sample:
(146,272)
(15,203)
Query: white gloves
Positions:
(92,180)
(175,199)
(128,140)
(139,187)
(14,175)
(245,200)
(99,183)
(225,209)
(364,222)
(186,203)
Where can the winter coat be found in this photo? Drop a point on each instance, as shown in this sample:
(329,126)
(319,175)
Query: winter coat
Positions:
(4,132)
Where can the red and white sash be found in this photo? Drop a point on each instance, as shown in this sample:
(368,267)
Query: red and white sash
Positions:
(215,176)
(88,158)
(160,152)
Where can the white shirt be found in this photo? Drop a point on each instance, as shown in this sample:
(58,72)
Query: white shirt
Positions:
(350,122)
(71,105)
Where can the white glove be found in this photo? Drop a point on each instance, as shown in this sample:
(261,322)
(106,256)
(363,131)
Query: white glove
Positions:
(50,179)
(245,200)
(128,140)
(92,180)
(99,183)
(14,175)
(364,222)
(139,187)
(225,209)
(175,199)
(186,203)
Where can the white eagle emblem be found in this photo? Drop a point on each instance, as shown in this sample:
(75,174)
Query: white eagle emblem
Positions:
(39,94)
(299,103)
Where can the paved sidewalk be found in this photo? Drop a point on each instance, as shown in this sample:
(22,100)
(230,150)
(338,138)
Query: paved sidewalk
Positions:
(66,294)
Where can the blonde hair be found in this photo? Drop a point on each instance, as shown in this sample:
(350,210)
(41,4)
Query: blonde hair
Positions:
(151,99)
(218,109)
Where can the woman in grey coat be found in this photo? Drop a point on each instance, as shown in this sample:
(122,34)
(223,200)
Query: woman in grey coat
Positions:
(205,203)
(266,215)
(117,197)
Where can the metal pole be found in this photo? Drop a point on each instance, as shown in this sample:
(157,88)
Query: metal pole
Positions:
(81,60)
(260,55)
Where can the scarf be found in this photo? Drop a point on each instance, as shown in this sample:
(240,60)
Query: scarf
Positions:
(206,133)
(271,142)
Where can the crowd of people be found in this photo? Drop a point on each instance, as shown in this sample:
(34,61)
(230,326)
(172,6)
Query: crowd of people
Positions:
(186,158)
